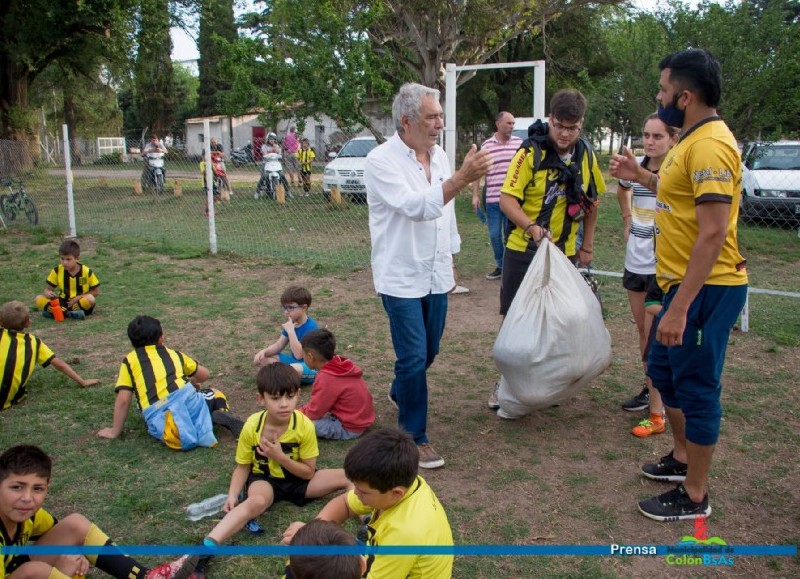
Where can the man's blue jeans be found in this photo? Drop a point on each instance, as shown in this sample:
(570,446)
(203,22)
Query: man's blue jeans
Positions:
(495,221)
(416,325)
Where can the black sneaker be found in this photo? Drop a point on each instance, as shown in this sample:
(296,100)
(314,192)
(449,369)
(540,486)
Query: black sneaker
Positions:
(496,274)
(674,505)
(200,570)
(639,402)
(227,420)
(667,470)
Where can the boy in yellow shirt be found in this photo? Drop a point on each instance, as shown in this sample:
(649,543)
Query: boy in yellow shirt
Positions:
(21,351)
(24,481)
(72,282)
(403,509)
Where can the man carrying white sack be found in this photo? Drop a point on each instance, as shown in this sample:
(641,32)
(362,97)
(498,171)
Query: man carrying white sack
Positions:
(552,186)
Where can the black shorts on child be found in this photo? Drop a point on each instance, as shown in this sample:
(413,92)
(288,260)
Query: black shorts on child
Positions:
(292,488)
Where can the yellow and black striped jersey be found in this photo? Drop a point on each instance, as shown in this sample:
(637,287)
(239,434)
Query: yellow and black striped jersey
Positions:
(153,372)
(27,531)
(20,352)
(68,286)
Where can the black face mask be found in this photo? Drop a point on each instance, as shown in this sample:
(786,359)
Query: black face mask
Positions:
(671,115)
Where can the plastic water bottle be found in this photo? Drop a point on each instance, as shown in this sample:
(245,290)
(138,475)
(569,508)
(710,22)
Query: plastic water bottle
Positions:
(55,309)
(206,508)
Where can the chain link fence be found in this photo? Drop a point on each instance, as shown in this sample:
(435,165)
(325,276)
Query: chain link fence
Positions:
(322,228)
(114,195)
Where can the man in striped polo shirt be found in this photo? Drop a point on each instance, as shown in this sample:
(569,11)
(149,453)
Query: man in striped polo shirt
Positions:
(502,145)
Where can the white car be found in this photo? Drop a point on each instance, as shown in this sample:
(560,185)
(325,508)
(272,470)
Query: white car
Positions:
(521,125)
(346,170)
(771,182)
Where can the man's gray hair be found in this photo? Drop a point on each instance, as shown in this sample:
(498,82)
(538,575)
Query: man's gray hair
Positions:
(408,103)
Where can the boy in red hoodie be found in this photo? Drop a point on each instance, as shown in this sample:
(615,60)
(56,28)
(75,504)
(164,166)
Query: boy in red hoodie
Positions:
(341,405)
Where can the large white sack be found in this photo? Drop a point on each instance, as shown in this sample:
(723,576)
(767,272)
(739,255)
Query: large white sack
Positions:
(553,341)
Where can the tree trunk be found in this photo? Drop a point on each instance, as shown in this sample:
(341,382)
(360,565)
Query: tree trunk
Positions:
(13,98)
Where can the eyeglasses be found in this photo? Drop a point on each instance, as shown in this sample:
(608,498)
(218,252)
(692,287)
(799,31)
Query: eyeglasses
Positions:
(571,130)
(290,308)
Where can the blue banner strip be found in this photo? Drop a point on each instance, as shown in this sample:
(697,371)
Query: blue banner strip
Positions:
(459,550)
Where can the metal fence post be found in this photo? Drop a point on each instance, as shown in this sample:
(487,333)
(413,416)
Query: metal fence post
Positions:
(73,231)
(212,223)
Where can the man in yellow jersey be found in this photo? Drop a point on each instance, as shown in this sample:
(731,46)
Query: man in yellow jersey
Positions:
(701,271)
(551,187)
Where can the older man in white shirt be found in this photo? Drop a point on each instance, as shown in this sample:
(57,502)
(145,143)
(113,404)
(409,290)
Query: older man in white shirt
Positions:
(412,224)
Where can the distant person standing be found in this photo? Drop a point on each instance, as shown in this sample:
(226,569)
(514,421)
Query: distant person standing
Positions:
(700,269)
(305,157)
(290,147)
(412,225)
(218,164)
(502,145)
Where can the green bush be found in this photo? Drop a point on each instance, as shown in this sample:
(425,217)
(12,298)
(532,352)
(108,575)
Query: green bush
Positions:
(109,159)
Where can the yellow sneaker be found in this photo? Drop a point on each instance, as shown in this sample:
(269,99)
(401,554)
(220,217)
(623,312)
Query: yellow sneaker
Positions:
(648,426)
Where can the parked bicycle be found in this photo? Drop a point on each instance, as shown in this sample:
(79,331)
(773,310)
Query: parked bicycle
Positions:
(17,202)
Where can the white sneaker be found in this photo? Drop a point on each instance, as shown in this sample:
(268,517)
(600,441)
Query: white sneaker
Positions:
(460,289)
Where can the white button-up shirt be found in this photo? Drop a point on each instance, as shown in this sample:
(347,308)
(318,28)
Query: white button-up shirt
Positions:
(414,234)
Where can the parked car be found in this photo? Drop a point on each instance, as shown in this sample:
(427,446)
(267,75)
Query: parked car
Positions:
(346,170)
(521,125)
(771,182)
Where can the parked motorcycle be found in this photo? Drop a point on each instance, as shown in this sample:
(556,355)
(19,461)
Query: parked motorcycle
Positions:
(153,174)
(271,177)
(243,156)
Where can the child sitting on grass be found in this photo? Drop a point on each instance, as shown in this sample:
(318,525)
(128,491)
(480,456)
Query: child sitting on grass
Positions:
(404,510)
(341,405)
(73,283)
(20,352)
(324,533)
(295,301)
(24,481)
(276,459)
(174,408)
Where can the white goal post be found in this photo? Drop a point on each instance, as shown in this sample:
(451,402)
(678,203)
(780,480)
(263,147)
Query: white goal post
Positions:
(451,70)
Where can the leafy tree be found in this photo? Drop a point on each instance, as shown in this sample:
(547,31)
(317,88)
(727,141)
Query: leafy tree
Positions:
(423,35)
(85,102)
(216,23)
(302,58)
(186,94)
(576,57)
(758,46)
(154,89)
(37,33)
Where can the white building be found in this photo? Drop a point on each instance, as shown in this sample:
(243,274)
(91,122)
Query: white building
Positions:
(236,131)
